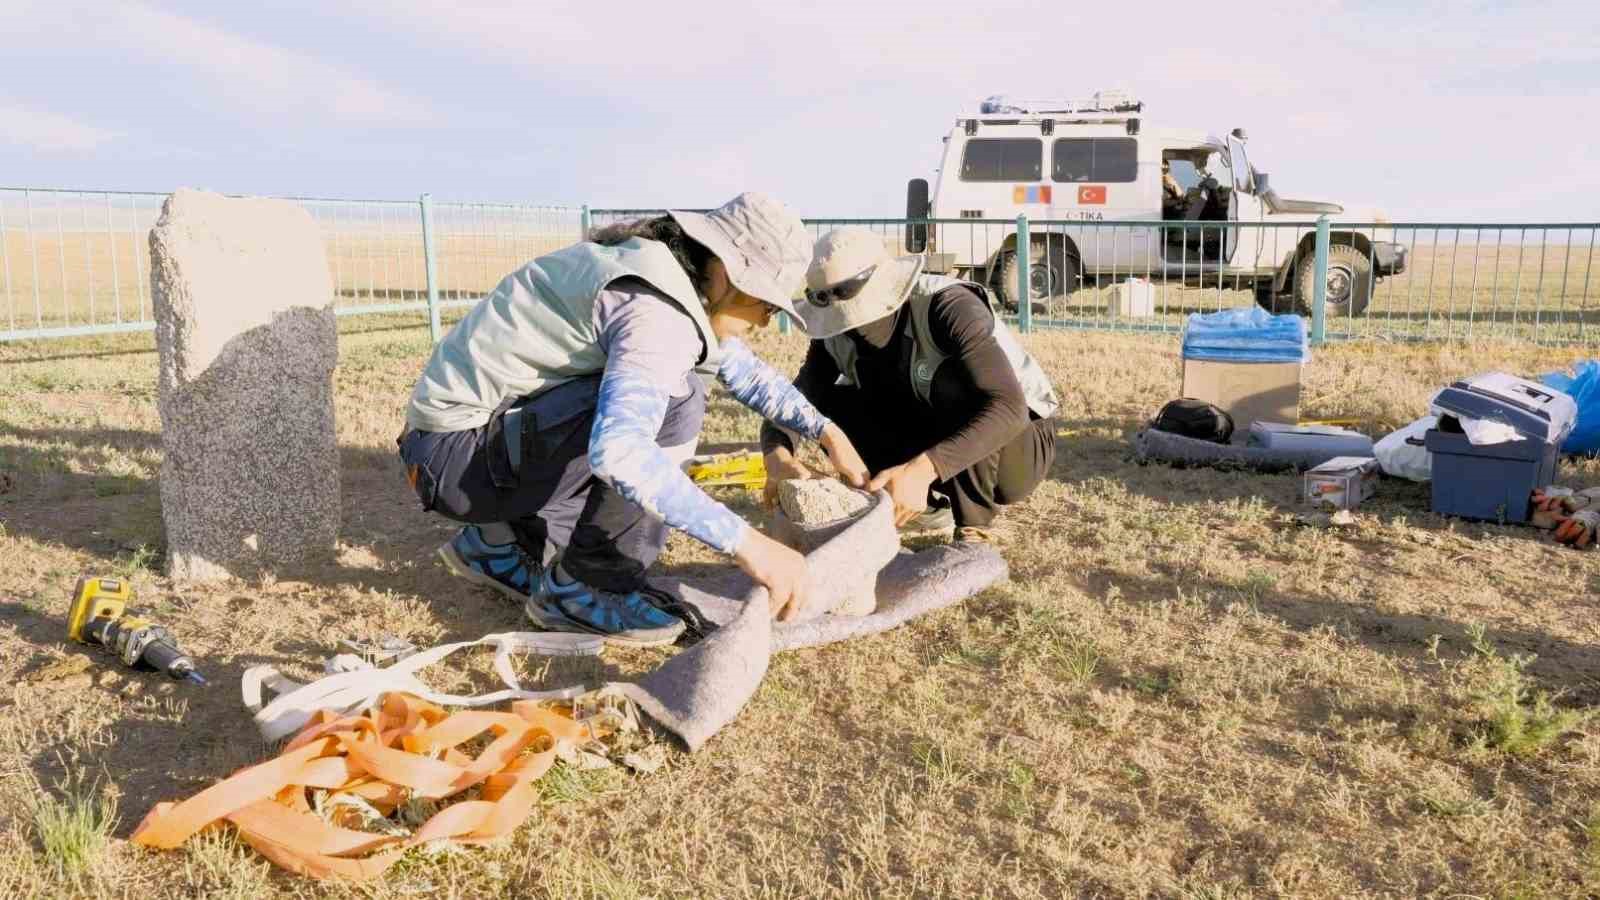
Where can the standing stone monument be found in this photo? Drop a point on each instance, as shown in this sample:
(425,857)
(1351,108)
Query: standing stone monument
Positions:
(247,341)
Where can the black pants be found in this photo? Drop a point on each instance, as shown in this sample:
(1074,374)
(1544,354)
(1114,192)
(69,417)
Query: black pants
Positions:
(888,437)
(550,498)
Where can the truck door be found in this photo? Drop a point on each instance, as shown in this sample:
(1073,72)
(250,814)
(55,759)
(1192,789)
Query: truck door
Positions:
(1243,244)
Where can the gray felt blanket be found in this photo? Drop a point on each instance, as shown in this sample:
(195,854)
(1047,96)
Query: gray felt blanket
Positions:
(703,688)
(1151,445)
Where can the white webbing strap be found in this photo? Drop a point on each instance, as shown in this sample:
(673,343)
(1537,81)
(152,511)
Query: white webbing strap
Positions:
(350,692)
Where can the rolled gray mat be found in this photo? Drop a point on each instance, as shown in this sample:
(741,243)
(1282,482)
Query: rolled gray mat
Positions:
(1151,445)
(699,691)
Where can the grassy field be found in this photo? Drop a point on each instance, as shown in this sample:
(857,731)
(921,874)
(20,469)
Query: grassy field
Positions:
(94,268)
(87,261)
(1180,693)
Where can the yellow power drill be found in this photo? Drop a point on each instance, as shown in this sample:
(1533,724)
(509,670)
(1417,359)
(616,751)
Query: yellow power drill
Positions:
(100,616)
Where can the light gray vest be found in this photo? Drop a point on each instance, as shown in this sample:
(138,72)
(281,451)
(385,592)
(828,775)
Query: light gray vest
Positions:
(536,330)
(926,355)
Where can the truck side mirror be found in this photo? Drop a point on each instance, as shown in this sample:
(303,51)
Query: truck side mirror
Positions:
(916,208)
(1261,183)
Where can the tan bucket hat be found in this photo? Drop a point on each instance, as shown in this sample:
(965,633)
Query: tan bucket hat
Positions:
(853,281)
(761,242)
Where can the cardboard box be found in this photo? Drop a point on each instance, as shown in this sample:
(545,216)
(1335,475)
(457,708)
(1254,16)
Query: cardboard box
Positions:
(1249,392)
(1342,482)
(1133,297)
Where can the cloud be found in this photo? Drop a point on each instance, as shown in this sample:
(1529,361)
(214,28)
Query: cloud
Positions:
(1433,109)
(833,104)
(49,132)
(233,75)
(258,76)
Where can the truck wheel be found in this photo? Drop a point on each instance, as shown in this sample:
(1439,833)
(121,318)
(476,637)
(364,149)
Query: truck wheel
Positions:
(1349,282)
(1046,282)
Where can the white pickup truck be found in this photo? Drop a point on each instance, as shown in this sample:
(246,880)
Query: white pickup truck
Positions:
(1081,163)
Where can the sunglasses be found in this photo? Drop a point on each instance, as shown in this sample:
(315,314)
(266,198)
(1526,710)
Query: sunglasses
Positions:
(844,290)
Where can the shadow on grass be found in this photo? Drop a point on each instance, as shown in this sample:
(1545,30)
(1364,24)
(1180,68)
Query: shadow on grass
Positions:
(21,355)
(60,492)
(1561,663)
(152,748)
(1086,455)
(60,497)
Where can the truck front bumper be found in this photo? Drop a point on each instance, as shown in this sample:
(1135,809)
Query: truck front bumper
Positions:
(1388,258)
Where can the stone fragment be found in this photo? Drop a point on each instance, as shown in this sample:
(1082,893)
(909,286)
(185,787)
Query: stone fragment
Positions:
(813,510)
(245,330)
(820,501)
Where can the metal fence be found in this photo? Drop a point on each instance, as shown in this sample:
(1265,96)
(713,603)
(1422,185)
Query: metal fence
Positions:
(77,262)
(1396,281)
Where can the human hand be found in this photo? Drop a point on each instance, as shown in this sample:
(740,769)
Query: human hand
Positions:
(781,466)
(846,461)
(907,485)
(777,568)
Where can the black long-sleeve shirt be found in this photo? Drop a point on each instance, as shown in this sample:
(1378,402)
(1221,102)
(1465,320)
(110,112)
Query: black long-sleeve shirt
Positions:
(962,327)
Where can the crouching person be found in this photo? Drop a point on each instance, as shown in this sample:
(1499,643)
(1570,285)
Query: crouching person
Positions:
(555,416)
(936,393)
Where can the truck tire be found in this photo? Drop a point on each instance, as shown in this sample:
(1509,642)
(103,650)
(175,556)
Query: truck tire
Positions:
(1349,282)
(1045,282)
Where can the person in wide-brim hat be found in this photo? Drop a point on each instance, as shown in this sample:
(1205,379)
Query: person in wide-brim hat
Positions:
(554,417)
(945,406)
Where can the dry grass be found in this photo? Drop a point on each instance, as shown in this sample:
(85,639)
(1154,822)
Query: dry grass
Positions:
(1505,284)
(93,266)
(1179,694)
(1469,283)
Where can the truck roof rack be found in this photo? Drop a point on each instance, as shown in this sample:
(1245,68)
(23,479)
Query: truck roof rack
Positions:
(1117,101)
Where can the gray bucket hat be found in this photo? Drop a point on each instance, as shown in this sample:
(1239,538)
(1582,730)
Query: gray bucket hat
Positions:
(854,281)
(762,243)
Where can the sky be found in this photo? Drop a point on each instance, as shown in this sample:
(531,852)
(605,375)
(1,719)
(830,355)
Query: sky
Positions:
(1465,111)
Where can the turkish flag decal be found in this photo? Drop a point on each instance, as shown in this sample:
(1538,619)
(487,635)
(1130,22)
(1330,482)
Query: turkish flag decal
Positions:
(1092,193)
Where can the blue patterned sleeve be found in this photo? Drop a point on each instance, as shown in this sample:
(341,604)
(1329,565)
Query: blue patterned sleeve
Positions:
(623,452)
(760,387)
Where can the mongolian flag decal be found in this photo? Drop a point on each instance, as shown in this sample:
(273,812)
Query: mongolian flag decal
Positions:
(1023,193)
(1092,193)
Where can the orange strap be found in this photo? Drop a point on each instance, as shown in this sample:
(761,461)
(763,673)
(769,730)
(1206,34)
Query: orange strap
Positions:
(405,747)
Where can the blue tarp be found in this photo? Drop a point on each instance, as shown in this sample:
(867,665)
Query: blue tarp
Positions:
(1246,334)
(1584,388)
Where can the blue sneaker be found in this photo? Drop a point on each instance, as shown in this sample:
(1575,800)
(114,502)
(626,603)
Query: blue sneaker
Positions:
(627,620)
(497,566)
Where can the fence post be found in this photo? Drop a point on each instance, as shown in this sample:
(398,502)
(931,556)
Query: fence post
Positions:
(1024,252)
(430,266)
(585,224)
(1319,285)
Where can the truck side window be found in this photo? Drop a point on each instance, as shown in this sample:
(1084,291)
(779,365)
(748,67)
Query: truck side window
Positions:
(1002,159)
(1095,159)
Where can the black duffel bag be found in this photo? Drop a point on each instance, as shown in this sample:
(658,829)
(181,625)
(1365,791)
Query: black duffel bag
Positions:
(1194,419)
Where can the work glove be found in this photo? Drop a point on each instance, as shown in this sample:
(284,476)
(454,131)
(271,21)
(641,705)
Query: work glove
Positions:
(1588,498)
(1578,530)
(1552,504)
(1549,506)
